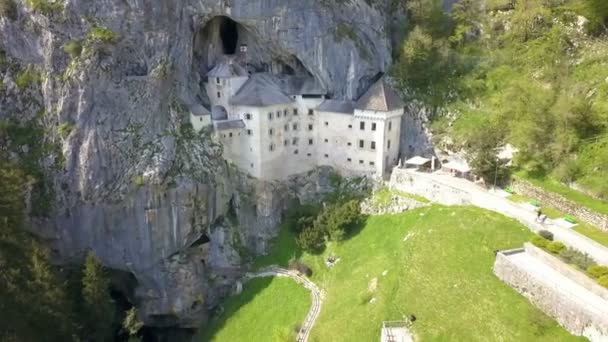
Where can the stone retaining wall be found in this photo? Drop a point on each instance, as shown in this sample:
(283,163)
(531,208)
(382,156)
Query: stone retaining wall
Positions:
(567,270)
(566,310)
(561,203)
(418,184)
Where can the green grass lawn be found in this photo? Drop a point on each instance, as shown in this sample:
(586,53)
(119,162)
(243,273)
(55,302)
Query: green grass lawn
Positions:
(577,197)
(442,273)
(266,310)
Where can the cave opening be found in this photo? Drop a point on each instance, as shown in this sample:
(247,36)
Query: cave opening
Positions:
(229,35)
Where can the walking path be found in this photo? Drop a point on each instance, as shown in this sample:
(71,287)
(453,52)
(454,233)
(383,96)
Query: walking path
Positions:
(477,196)
(316,293)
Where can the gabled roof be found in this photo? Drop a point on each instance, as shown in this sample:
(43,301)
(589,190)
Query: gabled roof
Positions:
(337,106)
(380,97)
(227,68)
(199,110)
(229,124)
(259,91)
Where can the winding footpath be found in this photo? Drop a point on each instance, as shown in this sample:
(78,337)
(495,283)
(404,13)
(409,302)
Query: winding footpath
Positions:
(316,293)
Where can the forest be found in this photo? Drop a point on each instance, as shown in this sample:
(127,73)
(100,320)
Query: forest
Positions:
(530,73)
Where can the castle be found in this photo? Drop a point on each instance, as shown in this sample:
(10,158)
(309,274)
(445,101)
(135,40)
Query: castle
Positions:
(274,127)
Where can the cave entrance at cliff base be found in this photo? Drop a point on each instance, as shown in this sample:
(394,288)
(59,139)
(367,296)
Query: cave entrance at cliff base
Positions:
(229,35)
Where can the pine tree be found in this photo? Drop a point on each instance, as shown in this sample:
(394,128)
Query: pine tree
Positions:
(97,302)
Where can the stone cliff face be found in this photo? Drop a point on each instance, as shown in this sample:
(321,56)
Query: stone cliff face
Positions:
(129,181)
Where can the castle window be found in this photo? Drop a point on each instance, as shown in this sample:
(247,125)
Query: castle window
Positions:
(249,132)
(350,126)
(295,111)
(310,127)
(373,145)
(349,160)
(349,144)
(271,147)
(361,162)
(251,164)
(373,126)
(371,163)
(286,127)
(309,141)
(326,140)
(327,156)
(388,145)
(308,154)
(286,142)
(362,125)
(230,135)
(271,131)
(248,116)
(311,112)
(294,141)
(390,125)
(295,126)
(219,95)
(278,114)
(217,80)
(200,119)
(270,116)
(361,144)
(295,152)
(326,123)
(285,112)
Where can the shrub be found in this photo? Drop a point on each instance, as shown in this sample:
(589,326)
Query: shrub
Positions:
(139,180)
(603,281)
(44,6)
(103,34)
(597,271)
(311,239)
(8,9)
(65,129)
(73,48)
(26,78)
(579,259)
(555,247)
(546,234)
(301,267)
(539,241)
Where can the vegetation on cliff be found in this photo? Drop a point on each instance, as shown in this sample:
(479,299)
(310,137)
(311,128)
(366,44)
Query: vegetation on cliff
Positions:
(528,72)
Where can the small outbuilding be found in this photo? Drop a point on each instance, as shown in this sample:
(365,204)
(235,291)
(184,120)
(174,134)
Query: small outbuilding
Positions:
(458,168)
(418,163)
(199,117)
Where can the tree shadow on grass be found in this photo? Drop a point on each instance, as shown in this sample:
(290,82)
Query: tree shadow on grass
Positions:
(229,307)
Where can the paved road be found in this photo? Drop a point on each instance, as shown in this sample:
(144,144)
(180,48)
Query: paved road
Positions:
(480,197)
(316,293)
(543,273)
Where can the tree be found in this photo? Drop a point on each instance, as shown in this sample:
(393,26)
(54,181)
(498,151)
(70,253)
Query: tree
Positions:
(32,295)
(482,155)
(97,302)
(311,239)
(131,324)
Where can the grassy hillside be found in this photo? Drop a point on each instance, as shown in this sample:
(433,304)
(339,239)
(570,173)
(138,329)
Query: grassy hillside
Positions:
(531,73)
(268,309)
(435,263)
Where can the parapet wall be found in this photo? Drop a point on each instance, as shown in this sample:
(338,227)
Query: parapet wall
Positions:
(418,184)
(558,201)
(572,314)
(569,271)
